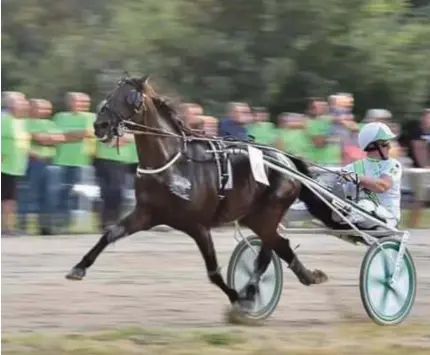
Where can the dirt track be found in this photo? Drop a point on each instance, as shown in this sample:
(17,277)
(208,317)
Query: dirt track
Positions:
(158,278)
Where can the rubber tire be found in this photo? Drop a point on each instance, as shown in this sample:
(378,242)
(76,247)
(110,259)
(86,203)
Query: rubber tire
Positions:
(234,259)
(374,250)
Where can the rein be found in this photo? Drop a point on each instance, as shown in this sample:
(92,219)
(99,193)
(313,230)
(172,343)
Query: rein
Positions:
(193,135)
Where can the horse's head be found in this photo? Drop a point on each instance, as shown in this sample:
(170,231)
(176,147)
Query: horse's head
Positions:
(126,103)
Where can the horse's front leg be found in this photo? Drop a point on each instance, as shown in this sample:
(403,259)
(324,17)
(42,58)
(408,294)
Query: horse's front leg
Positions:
(203,239)
(136,221)
(263,260)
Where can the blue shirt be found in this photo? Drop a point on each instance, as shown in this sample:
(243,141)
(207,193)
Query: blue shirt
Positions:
(230,128)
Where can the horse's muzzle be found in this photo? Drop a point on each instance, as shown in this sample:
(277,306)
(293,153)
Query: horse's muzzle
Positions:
(102,131)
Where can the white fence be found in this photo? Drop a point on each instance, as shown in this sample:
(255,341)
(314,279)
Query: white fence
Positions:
(88,189)
(88,192)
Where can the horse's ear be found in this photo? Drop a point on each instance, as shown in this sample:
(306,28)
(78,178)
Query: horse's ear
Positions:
(144,80)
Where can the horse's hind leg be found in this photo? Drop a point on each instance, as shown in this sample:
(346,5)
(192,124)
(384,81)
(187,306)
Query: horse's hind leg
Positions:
(203,239)
(264,222)
(136,221)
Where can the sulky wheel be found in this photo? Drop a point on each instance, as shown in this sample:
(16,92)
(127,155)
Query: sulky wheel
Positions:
(240,268)
(386,304)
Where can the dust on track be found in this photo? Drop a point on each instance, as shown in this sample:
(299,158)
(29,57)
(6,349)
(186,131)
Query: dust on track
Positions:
(159,279)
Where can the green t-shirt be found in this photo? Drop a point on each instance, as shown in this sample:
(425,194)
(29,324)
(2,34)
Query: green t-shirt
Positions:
(37,125)
(74,153)
(295,142)
(91,141)
(131,156)
(264,132)
(127,152)
(331,153)
(110,151)
(15,144)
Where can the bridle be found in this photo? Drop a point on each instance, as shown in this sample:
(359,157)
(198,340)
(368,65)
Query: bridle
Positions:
(117,119)
(121,124)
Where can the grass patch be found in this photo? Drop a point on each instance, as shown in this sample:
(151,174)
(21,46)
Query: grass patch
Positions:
(351,339)
(221,338)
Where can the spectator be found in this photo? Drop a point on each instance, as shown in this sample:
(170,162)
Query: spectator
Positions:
(234,125)
(131,161)
(192,115)
(210,125)
(343,127)
(261,128)
(39,180)
(377,115)
(6,95)
(325,149)
(73,153)
(15,144)
(111,167)
(292,136)
(417,142)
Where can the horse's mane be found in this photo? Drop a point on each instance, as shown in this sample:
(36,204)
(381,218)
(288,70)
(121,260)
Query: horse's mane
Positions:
(168,109)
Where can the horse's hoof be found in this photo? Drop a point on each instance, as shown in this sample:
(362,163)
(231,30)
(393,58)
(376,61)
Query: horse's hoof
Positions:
(319,277)
(244,305)
(76,274)
(237,315)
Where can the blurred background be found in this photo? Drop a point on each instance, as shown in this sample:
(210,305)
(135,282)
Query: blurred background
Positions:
(301,75)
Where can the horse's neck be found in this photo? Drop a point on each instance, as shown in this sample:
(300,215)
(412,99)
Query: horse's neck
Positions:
(155,150)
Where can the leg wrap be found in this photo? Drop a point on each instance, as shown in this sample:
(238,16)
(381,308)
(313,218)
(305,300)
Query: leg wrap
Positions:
(115,232)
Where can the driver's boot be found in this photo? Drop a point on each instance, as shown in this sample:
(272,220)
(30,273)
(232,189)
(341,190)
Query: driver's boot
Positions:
(306,276)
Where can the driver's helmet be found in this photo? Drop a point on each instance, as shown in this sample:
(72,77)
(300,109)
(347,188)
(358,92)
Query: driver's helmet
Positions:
(372,133)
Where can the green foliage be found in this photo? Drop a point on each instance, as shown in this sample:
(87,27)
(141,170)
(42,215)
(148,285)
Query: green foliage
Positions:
(267,52)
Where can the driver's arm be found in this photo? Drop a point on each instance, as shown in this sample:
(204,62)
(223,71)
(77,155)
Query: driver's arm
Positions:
(378,185)
(392,173)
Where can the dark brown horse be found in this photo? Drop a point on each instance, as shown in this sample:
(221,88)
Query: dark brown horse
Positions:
(186,194)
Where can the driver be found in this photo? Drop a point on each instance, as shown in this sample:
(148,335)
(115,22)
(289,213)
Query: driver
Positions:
(378,177)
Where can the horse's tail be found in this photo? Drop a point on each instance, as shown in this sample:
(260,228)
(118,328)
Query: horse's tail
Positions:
(314,204)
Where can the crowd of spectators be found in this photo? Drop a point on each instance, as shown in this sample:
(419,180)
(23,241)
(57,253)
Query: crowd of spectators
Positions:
(43,154)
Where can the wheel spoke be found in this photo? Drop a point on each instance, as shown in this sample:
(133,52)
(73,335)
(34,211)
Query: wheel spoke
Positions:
(386,265)
(383,301)
(400,299)
(259,298)
(267,277)
(246,268)
(377,280)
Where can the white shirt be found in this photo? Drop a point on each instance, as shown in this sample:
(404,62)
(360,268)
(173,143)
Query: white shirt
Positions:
(374,168)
